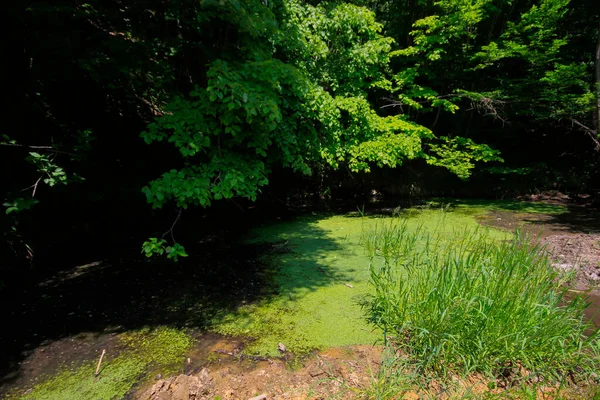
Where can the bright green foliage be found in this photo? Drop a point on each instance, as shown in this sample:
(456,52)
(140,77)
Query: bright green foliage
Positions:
(224,132)
(533,37)
(498,72)
(436,39)
(339,46)
(467,303)
(556,86)
(254,113)
(454,33)
(456,25)
(567,90)
(299,100)
(154,246)
(458,154)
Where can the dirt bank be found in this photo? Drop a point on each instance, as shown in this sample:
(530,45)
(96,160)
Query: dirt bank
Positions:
(571,238)
(337,372)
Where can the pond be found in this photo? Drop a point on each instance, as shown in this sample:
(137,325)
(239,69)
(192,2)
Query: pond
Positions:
(300,283)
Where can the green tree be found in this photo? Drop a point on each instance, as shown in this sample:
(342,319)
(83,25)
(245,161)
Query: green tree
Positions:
(296,95)
(506,70)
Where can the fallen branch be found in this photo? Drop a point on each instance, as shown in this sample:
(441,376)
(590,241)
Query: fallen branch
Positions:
(100,362)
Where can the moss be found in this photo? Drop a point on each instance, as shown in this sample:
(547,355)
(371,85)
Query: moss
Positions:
(147,351)
(321,283)
(160,348)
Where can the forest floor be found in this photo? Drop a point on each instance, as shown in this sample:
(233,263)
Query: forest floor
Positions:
(310,298)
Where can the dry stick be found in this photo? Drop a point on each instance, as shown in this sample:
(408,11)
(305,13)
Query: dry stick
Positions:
(100,362)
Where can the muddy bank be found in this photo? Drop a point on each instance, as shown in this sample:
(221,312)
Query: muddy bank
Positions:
(337,372)
(571,238)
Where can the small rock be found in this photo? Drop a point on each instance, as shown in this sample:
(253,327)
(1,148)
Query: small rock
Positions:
(353,379)
(179,387)
(259,397)
(158,377)
(281,347)
(315,372)
(205,375)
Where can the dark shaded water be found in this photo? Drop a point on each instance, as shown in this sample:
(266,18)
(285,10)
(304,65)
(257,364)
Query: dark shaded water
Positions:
(593,311)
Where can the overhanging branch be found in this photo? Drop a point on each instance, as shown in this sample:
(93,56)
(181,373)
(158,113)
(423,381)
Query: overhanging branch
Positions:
(592,133)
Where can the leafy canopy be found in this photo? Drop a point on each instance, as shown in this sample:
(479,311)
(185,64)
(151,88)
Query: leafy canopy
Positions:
(295,96)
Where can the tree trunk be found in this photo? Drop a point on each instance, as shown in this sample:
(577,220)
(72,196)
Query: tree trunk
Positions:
(597,83)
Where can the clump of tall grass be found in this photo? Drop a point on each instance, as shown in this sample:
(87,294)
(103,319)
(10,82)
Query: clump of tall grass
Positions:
(468,303)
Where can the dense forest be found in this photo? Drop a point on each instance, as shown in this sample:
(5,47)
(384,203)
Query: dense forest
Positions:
(123,119)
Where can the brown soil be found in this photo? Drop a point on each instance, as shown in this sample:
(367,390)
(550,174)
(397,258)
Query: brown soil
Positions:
(69,352)
(337,372)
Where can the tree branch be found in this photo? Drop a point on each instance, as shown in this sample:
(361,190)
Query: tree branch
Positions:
(45,148)
(173,227)
(593,134)
(35,186)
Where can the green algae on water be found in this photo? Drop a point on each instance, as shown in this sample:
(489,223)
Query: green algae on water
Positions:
(147,351)
(321,282)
